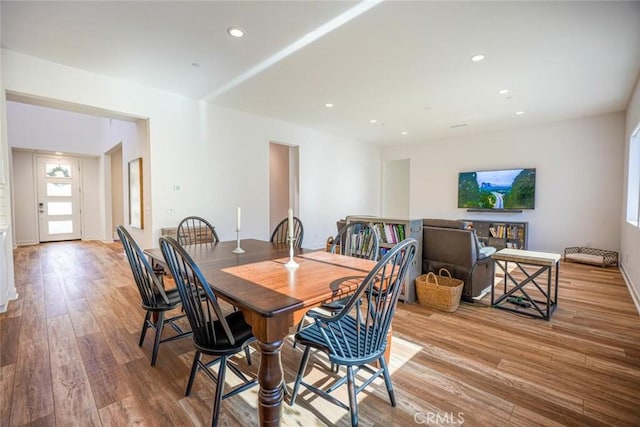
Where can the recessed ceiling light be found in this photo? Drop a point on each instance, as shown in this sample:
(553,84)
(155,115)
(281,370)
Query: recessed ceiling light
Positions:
(404,132)
(519,113)
(477,58)
(58,153)
(195,64)
(236,32)
(503,91)
(372,121)
(328,105)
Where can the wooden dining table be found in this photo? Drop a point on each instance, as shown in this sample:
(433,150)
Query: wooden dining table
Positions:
(272,297)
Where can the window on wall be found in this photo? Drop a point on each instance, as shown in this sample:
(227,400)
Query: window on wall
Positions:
(633,179)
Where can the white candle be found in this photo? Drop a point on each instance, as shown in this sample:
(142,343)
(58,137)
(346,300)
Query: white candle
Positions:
(238,219)
(290,222)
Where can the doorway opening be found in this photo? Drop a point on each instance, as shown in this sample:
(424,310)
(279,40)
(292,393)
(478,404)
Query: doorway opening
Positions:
(283,182)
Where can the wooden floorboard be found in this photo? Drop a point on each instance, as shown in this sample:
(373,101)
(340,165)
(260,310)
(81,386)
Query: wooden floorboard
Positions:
(69,355)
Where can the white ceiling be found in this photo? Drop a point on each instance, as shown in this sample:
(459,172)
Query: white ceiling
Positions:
(405,64)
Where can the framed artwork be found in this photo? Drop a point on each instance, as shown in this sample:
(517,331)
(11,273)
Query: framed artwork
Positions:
(136,219)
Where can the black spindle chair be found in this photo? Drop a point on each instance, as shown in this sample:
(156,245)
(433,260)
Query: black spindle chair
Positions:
(194,229)
(356,336)
(155,299)
(280,233)
(214,333)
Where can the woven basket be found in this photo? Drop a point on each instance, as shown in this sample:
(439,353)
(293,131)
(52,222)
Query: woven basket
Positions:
(442,292)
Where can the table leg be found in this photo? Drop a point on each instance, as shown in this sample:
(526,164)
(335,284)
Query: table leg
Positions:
(506,270)
(555,300)
(493,282)
(270,378)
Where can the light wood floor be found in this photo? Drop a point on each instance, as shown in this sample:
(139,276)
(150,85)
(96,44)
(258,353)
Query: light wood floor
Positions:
(69,356)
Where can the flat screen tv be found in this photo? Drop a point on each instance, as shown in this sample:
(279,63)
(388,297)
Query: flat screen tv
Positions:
(505,189)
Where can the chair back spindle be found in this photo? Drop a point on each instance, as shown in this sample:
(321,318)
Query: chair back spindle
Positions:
(194,230)
(280,233)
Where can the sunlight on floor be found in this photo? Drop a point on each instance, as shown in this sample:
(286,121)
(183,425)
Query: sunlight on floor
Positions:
(311,410)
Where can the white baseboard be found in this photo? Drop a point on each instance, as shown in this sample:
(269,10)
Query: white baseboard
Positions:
(632,289)
(98,239)
(12,295)
(26,243)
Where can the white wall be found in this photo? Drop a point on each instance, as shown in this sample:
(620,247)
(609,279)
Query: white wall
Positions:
(630,235)
(92,198)
(41,128)
(216,156)
(132,139)
(7,282)
(395,188)
(117,191)
(578,181)
(25,224)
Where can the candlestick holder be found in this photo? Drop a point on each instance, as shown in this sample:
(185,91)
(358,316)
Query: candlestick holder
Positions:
(291,263)
(238,249)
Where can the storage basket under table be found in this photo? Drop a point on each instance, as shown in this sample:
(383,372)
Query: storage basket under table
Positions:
(441,291)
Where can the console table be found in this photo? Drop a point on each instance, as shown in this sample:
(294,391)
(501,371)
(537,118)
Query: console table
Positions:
(521,293)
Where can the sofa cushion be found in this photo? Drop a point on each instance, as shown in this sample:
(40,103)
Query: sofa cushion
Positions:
(486,252)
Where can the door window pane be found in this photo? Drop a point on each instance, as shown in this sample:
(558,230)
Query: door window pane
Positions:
(58,190)
(60,227)
(59,208)
(57,170)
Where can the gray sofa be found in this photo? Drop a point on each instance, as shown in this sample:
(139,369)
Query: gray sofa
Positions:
(452,245)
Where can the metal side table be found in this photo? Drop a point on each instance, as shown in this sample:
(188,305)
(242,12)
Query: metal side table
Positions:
(521,293)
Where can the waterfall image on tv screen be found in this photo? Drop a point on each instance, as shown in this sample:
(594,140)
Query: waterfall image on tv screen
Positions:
(499,189)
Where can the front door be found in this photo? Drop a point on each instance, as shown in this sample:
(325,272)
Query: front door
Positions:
(58,198)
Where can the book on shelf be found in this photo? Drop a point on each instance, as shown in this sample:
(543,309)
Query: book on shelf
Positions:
(515,232)
(360,242)
(497,231)
(390,233)
(381,232)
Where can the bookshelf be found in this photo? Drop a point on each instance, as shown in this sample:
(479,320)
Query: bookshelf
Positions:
(501,234)
(392,231)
